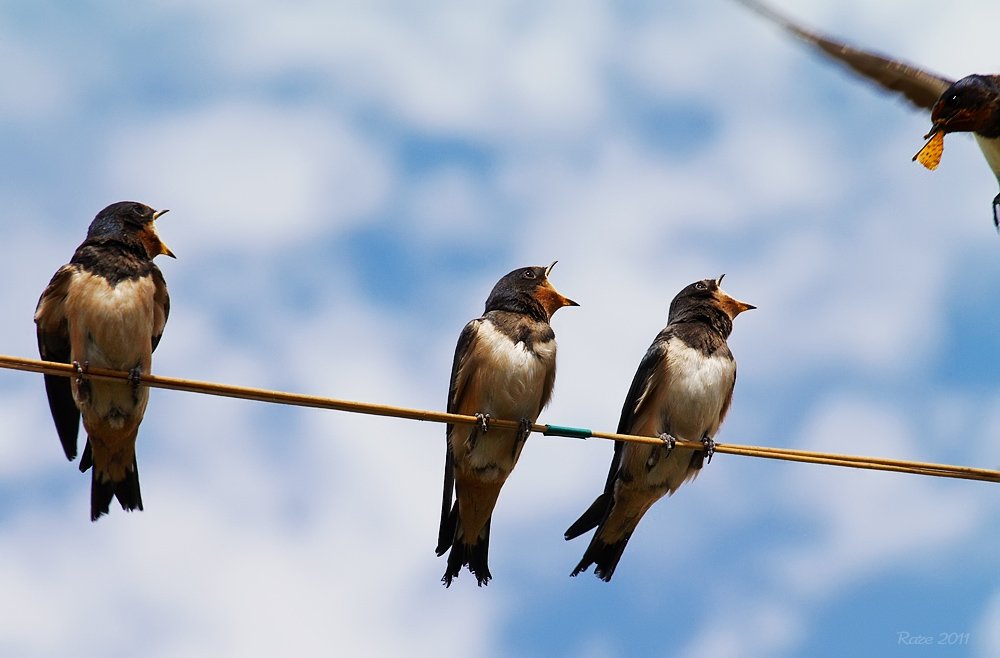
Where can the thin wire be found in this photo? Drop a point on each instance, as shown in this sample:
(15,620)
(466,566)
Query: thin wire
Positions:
(315,401)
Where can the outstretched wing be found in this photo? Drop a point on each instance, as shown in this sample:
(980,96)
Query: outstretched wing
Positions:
(922,88)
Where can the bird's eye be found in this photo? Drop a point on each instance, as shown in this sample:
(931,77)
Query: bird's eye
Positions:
(528,274)
(701,286)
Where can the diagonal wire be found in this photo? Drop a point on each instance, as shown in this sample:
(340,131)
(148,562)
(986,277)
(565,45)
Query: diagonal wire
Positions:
(315,401)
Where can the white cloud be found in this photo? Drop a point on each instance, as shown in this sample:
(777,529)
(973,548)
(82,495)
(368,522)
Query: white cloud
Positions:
(245,174)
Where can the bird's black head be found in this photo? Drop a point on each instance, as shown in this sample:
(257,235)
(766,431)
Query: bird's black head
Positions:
(527,290)
(706,301)
(130,223)
(970,105)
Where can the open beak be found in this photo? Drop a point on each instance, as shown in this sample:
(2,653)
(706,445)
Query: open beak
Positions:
(731,306)
(164,250)
(553,299)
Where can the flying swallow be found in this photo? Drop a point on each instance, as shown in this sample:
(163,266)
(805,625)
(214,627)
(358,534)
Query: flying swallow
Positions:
(971,104)
(105,309)
(681,390)
(504,367)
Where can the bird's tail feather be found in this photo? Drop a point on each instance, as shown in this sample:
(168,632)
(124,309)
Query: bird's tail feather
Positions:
(102,490)
(605,557)
(447,532)
(475,556)
(596,513)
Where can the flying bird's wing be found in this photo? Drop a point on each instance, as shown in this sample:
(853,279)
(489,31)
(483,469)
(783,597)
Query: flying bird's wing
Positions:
(53,345)
(457,390)
(920,87)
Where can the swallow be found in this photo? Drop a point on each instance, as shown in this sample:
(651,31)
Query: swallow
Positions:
(971,104)
(682,390)
(504,367)
(106,308)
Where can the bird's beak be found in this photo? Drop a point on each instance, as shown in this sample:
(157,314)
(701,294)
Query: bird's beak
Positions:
(551,298)
(949,120)
(732,307)
(164,250)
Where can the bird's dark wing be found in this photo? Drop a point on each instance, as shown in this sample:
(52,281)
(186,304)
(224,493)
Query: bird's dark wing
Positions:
(642,383)
(920,87)
(729,397)
(652,362)
(456,391)
(161,305)
(53,345)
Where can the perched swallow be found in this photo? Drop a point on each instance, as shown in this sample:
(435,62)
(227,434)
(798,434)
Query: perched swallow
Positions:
(504,367)
(681,390)
(971,104)
(105,309)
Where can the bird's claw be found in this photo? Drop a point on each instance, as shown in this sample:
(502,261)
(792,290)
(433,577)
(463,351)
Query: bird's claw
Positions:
(82,383)
(81,371)
(523,429)
(709,448)
(669,442)
(483,422)
(996,212)
(134,377)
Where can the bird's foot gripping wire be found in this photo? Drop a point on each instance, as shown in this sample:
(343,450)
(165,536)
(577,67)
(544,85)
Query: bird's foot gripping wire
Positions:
(709,448)
(82,383)
(669,442)
(483,422)
(482,426)
(134,377)
(523,429)
(996,212)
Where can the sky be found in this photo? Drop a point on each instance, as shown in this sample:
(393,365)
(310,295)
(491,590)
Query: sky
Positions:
(347,181)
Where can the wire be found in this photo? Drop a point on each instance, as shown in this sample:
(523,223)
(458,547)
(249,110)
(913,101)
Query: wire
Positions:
(279,397)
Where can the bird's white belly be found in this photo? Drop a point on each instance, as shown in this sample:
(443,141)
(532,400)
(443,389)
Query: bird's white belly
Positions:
(698,386)
(111,328)
(111,325)
(511,385)
(512,377)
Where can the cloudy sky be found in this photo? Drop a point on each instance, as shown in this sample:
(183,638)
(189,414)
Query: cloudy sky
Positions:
(348,182)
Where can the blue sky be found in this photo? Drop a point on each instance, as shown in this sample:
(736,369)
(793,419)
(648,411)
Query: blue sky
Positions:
(347,182)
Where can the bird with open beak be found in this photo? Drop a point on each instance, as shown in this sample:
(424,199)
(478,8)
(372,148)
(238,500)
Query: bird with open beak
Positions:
(105,309)
(504,368)
(971,104)
(681,390)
